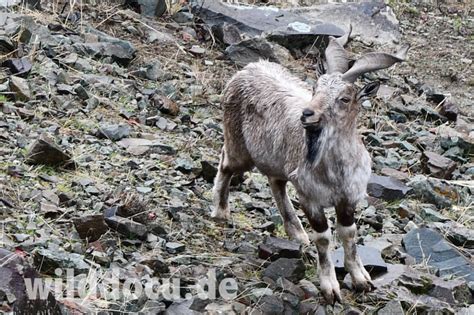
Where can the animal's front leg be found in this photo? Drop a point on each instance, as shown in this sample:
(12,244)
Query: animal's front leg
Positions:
(327,274)
(347,231)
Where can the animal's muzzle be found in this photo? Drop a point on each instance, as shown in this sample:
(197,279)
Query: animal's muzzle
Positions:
(306,113)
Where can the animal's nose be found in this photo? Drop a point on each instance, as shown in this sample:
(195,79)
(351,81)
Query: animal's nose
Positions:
(308,112)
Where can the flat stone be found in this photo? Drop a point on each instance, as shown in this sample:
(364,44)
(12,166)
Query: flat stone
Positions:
(274,248)
(175,248)
(90,227)
(44,151)
(226,33)
(270,304)
(449,110)
(390,172)
(120,51)
(429,247)
(458,234)
(254,49)
(114,132)
(432,215)
(386,188)
(437,166)
(49,260)
(289,29)
(287,286)
(371,259)
(20,87)
(289,268)
(372,22)
(197,50)
(126,227)
(394,272)
(453,291)
(149,8)
(18,66)
(392,308)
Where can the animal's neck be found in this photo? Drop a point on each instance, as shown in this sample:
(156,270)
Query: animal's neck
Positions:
(323,144)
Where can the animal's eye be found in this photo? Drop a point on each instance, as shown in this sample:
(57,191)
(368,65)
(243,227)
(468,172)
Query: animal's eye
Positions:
(345,99)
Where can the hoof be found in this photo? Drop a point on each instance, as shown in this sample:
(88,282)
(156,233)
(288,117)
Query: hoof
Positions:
(330,287)
(332,296)
(220,214)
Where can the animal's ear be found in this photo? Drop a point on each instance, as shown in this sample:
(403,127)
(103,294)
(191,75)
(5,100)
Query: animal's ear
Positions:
(370,90)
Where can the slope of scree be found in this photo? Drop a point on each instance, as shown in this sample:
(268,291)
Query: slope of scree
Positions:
(110,133)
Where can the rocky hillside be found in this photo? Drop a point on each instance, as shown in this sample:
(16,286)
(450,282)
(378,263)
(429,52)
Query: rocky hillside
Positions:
(110,135)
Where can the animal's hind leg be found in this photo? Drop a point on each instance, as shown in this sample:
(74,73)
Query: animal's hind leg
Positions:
(220,191)
(292,224)
(228,165)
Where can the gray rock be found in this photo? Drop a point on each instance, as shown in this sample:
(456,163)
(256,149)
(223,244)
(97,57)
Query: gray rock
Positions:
(371,21)
(90,227)
(126,226)
(433,191)
(371,259)
(20,87)
(14,272)
(6,45)
(432,215)
(226,33)
(144,190)
(270,304)
(310,290)
(157,264)
(183,17)
(287,286)
(392,308)
(150,8)
(252,50)
(179,308)
(386,188)
(274,248)
(197,50)
(83,65)
(208,171)
(458,234)
(428,246)
(44,151)
(449,110)
(48,260)
(154,71)
(175,248)
(438,166)
(289,29)
(186,166)
(394,272)
(18,66)
(113,132)
(289,268)
(120,51)
(453,291)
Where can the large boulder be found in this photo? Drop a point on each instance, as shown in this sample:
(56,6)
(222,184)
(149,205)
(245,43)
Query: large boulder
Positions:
(289,29)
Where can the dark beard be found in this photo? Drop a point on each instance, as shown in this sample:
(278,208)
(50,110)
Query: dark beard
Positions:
(313,134)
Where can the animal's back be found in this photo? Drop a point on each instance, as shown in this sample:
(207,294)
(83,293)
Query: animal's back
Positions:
(262,106)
